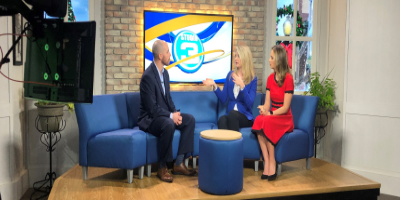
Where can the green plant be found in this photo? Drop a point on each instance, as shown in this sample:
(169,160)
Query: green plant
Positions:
(70,106)
(324,89)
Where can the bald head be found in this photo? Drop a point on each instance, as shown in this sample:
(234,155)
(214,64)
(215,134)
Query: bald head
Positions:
(158,47)
(161,54)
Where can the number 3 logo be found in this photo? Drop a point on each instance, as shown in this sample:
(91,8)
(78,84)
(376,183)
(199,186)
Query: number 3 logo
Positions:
(188,44)
(191,51)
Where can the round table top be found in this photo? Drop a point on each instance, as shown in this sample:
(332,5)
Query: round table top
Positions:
(220,134)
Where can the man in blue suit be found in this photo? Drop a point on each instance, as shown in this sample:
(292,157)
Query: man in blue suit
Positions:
(159,117)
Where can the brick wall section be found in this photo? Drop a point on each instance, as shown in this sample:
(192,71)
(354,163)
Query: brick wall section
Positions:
(124,36)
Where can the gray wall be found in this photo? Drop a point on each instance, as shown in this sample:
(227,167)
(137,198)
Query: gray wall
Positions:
(371,106)
(332,58)
(13,171)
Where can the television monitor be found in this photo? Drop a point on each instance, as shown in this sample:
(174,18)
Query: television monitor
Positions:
(200,44)
(64,59)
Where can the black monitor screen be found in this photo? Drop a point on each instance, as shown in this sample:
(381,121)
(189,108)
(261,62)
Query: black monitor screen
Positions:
(63,59)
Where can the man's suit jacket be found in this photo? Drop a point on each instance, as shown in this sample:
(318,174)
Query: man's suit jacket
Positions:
(153,103)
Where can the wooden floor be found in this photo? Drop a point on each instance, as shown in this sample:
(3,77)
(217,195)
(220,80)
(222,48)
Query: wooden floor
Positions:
(103,183)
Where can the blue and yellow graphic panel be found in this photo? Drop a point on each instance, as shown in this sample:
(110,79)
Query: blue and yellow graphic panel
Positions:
(200,44)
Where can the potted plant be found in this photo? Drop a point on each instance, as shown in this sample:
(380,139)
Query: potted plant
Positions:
(50,114)
(324,89)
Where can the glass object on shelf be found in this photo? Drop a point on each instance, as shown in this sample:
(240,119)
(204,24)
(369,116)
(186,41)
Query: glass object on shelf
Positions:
(304,18)
(302,68)
(284,18)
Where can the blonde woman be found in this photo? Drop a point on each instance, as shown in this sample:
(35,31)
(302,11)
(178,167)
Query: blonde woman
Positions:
(272,123)
(239,90)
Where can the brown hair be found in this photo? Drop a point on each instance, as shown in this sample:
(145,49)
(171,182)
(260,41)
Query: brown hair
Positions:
(281,63)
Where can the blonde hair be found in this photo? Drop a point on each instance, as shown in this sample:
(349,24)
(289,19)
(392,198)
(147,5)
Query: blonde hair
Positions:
(281,63)
(247,63)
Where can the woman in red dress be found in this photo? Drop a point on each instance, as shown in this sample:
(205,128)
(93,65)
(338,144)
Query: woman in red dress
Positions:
(272,123)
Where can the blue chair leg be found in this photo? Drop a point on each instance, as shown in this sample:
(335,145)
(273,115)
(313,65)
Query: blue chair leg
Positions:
(256,165)
(308,163)
(84,172)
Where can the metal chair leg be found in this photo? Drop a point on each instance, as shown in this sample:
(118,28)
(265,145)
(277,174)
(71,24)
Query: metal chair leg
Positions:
(84,172)
(148,170)
(194,162)
(279,169)
(141,172)
(187,162)
(256,165)
(308,163)
(130,175)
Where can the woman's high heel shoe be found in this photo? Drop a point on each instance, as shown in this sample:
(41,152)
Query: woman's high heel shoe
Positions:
(273,177)
(264,176)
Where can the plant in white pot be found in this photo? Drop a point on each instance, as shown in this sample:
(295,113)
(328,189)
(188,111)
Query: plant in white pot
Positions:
(50,114)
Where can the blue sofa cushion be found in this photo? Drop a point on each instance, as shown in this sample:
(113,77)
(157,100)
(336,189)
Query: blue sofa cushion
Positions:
(292,146)
(202,105)
(304,109)
(257,101)
(133,105)
(251,147)
(106,113)
(124,148)
(197,130)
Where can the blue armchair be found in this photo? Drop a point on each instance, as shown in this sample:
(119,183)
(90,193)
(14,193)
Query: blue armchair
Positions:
(106,137)
(298,144)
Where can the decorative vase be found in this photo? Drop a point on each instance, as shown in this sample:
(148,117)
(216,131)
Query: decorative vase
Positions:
(50,117)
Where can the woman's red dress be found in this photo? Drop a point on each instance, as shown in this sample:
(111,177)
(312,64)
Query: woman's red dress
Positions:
(275,126)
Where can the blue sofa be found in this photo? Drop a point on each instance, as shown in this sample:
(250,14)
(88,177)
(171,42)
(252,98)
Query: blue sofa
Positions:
(109,135)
